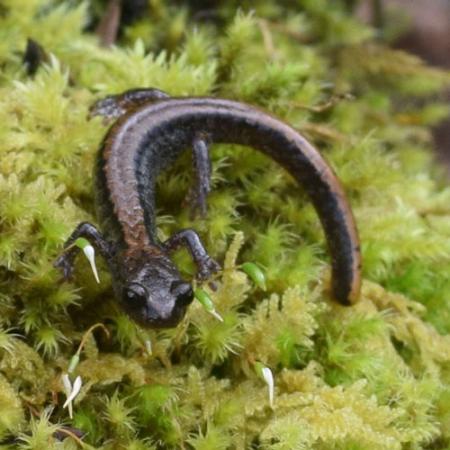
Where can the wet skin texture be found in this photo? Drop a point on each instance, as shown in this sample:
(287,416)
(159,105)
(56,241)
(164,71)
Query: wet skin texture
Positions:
(149,134)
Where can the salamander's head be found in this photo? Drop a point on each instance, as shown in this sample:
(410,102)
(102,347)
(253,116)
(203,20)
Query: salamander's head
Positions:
(155,295)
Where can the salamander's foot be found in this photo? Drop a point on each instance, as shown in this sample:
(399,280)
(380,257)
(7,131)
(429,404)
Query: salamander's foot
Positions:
(114,106)
(107,107)
(205,264)
(65,263)
(85,230)
(206,268)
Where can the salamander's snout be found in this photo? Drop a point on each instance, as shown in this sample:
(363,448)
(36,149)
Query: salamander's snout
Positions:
(157,306)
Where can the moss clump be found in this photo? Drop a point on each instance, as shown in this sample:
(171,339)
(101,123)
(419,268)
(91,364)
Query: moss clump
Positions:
(368,377)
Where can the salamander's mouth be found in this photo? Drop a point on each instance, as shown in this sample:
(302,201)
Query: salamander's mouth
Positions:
(148,319)
(163,323)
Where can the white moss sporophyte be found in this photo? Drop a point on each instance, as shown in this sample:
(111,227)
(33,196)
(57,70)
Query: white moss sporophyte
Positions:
(267,376)
(71,390)
(148,347)
(89,252)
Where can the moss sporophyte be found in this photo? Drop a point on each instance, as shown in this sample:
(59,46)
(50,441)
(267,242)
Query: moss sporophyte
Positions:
(89,251)
(373,376)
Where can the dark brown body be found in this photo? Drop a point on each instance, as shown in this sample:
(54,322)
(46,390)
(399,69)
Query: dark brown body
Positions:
(149,135)
(142,144)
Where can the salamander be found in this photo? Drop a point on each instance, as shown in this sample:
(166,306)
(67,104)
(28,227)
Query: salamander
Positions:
(150,132)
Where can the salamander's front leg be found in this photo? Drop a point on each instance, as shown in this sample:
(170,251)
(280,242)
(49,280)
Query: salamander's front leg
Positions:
(114,106)
(86,230)
(197,197)
(205,264)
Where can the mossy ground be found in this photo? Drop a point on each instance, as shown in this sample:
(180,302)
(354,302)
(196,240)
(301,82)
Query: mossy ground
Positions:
(375,376)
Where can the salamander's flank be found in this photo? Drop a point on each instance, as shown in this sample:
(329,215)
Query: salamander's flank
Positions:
(150,133)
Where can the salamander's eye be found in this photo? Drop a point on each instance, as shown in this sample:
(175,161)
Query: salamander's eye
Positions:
(182,291)
(135,295)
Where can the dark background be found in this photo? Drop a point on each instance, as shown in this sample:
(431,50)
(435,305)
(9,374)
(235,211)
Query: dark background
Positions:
(428,36)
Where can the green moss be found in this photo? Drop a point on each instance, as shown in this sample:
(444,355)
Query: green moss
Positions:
(372,376)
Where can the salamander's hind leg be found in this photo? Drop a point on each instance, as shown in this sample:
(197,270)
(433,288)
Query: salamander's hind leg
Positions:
(114,106)
(66,261)
(205,264)
(197,196)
